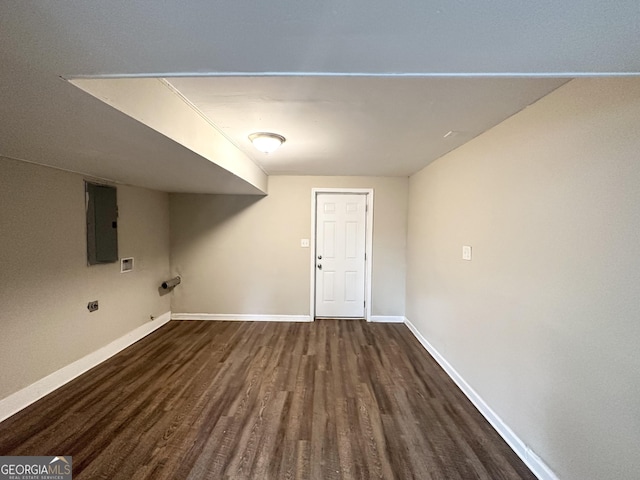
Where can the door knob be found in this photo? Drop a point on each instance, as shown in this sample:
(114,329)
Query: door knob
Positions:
(319,267)
(319,257)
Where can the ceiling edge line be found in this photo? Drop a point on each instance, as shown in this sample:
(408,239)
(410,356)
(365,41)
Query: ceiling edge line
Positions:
(179,94)
(358,74)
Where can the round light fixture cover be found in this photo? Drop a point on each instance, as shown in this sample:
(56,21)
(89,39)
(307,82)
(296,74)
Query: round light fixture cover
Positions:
(266,142)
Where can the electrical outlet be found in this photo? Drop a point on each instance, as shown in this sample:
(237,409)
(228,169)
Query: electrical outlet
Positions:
(92,306)
(466,252)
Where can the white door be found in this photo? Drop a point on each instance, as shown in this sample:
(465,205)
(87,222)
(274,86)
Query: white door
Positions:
(340,255)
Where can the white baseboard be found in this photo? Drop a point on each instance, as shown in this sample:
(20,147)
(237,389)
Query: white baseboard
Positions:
(28,395)
(241,317)
(387,319)
(528,456)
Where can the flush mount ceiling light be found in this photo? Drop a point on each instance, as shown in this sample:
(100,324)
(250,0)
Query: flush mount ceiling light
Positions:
(266,142)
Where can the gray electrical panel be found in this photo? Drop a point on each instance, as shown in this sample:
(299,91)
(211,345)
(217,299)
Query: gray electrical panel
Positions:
(102,223)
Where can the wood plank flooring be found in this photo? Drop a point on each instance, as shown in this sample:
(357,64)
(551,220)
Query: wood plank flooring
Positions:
(326,400)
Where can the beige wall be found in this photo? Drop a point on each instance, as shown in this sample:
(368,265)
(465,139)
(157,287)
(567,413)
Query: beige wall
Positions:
(242,255)
(45,282)
(544,323)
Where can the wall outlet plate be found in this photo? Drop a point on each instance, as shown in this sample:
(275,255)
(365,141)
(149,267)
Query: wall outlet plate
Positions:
(304,242)
(466,252)
(92,306)
(126,265)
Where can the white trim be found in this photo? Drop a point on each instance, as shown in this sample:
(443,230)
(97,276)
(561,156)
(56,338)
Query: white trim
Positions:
(28,395)
(368,246)
(556,74)
(240,317)
(528,456)
(387,319)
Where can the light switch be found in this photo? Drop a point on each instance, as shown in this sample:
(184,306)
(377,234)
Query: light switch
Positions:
(466,252)
(304,243)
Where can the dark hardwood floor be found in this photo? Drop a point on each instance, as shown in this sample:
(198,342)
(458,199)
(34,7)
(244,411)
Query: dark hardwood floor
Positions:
(324,400)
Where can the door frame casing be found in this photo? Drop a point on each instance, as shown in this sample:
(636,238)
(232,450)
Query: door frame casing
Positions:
(368,192)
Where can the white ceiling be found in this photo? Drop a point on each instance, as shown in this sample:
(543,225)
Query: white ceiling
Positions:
(357,125)
(47,120)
